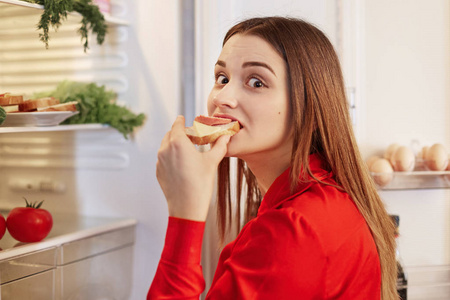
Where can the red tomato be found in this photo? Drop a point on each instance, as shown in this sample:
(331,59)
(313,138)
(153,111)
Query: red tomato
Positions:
(2,226)
(29,224)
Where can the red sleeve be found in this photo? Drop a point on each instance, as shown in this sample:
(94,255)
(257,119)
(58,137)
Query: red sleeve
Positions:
(179,274)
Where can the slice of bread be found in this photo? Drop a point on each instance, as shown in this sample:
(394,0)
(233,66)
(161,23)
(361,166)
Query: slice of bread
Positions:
(67,106)
(34,104)
(10,99)
(201,134)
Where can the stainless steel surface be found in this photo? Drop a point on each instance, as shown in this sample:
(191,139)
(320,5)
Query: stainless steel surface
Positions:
(37,287)
(95,245)
(27,264)
(105,276)
(66,229)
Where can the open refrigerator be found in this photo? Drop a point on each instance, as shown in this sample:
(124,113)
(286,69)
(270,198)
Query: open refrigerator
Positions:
(84,256)
(145,65)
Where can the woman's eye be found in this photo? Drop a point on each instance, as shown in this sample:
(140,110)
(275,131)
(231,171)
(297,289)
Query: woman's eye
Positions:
(221,79)
(256,83)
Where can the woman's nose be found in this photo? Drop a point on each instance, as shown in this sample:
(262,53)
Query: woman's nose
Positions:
(226,97)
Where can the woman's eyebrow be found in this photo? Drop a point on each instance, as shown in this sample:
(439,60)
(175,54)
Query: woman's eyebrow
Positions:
(258,64)
(221,63)
(249,64)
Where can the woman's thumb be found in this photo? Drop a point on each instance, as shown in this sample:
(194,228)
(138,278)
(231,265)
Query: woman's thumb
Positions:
(219,149)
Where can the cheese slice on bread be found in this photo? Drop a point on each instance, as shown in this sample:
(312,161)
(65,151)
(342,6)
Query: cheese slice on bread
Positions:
(11,108)
(67,106)
(201,134)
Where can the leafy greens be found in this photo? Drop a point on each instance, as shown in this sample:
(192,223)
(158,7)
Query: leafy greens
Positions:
(95,105)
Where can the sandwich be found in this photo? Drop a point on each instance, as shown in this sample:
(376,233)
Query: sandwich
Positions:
(8,99)
(10,102)
(207,130)
(34,104)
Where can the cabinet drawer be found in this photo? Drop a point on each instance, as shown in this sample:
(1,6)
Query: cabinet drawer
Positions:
(104,276)
(95,245)
(28,264)
(37,287)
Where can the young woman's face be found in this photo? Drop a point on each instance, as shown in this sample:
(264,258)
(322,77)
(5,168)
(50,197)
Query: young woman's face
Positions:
(251,86)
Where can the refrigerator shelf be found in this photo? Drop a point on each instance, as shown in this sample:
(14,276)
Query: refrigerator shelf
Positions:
(53,128)
(110,20)
(416,180)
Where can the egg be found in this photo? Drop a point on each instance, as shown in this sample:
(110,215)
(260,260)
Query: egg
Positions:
(383,172)
(403,159)
(371,160)
(436,158)
(390,150)
(448,169)
(423,152)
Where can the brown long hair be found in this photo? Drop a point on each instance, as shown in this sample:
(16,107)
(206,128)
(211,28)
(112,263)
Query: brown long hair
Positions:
(322,124)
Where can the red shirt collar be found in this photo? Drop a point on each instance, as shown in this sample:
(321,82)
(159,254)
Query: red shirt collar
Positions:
(280,192)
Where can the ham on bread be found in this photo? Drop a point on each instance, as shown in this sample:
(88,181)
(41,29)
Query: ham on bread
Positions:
(10,99)
(207,130)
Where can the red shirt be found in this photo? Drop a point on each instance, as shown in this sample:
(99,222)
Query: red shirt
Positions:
(313,244)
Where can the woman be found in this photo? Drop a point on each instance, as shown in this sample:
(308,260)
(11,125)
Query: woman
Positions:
(315,226)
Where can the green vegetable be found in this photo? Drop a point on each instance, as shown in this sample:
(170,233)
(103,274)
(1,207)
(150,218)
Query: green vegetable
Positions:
(95,105)
(2,115)
(55,11)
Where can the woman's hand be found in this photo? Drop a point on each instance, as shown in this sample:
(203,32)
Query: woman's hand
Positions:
(186,175)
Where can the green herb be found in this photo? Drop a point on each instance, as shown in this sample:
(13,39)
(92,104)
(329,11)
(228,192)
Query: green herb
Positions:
(2,115)
(95,105)
(55,11)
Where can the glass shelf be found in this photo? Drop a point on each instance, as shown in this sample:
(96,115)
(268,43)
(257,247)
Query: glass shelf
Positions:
(416,180)
(53,128)
(109,19)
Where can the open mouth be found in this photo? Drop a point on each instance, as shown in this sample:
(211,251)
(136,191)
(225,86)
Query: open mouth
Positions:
(225,116)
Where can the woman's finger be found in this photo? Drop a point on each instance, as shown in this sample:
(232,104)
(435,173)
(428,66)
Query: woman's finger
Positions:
(219,149)
(165,140)
(178,125)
